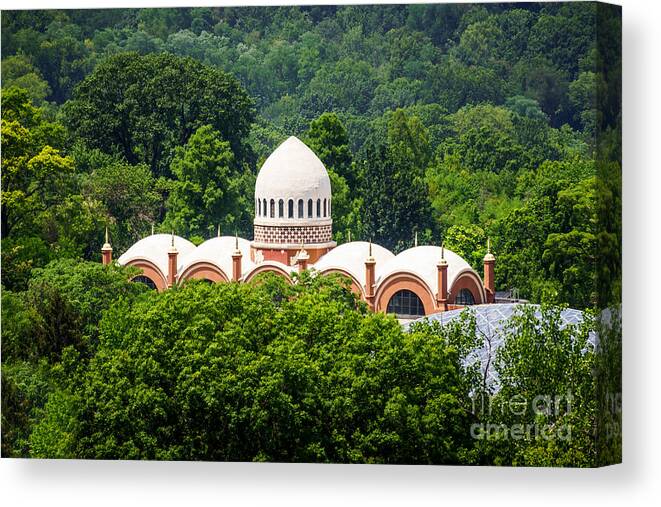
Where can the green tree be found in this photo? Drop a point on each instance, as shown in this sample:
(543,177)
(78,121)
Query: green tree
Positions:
(33,166)
(19,72)
(469,242)
(63,306)
(328,138)
(547,388)
(127,194)
(485,139)
(208,191)
(220,384)
(393,184)
(143,107)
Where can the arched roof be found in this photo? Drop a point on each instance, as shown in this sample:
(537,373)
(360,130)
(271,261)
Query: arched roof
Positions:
(350,257)
(155,248)
(292,171)
(218,251)
(269,265)
(422,261)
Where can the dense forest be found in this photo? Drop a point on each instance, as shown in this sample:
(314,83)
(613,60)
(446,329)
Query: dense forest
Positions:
(452,122)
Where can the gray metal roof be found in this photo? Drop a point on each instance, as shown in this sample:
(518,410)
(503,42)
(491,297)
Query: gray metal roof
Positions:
(490,321)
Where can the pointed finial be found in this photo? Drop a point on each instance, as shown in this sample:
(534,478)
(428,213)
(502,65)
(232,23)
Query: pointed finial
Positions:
(349,232)
(489,256)
(415,239)
(106,245)
(442,262)
(152,229)
(173,249)
(218,233)
(370,258)
(237,251)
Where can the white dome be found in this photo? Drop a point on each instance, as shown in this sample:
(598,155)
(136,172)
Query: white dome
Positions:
(350,257)
(218,251)
(422,261)
(155,248)
(292,172)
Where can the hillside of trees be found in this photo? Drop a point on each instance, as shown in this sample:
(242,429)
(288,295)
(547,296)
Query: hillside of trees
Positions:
(457,122)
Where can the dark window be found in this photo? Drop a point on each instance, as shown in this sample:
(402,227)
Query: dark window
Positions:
(272,208)
(310,208)
(290,205)
(259,207)
(465,297)
(281,208)
(318,208)
(406,304)
(300,208)
(146,280)
(264,214)
(324,207)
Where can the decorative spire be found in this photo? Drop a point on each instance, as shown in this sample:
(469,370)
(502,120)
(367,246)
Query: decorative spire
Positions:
(415,239)
(489,256)
(237,250)
(173,249)
(442,262)
(106,251)
(349,232)
(218,233)
(152,229)
(370,257)
(106,245)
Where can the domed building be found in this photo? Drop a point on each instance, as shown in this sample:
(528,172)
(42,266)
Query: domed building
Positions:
(292,205)
(293,231)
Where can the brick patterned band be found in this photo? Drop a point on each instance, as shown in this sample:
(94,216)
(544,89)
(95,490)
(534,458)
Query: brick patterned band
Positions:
(293,235)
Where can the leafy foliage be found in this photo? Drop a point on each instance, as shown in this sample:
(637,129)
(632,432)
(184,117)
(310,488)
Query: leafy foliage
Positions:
(208,190)
(142,107)
(237,374)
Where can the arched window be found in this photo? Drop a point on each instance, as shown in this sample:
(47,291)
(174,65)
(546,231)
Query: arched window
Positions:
(309,208)
(264,214)
(406,304)
(465,297)
(290,205)
(300,208)
(146,280)
(272,208)
(259,207)
(318,208)
(324,207)
(281,208)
